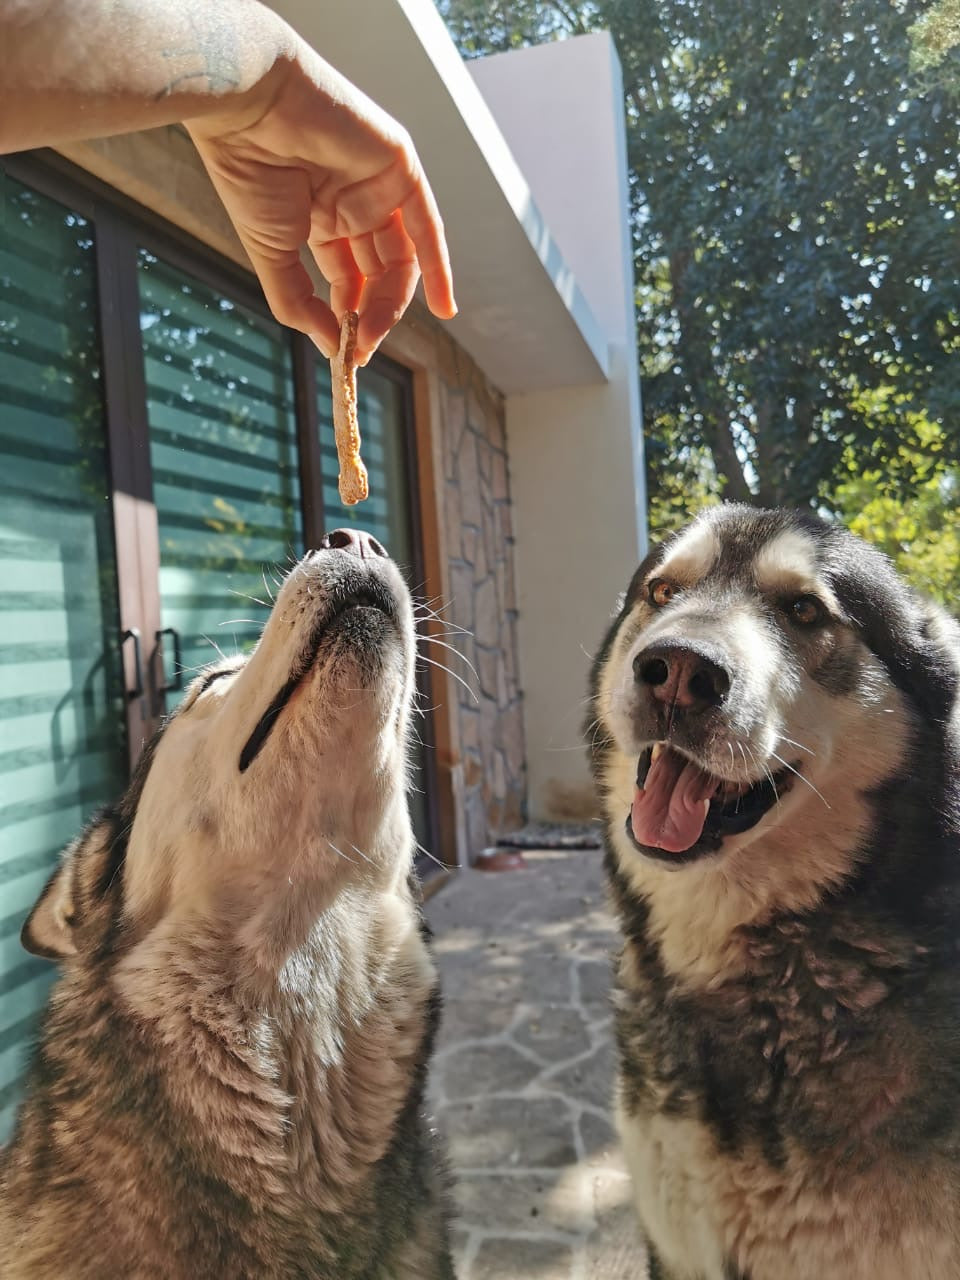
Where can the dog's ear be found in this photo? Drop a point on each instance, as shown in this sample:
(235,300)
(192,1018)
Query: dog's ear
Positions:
(917,642)
(59,925)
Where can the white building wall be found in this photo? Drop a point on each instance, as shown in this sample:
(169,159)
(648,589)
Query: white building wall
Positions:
(576,454)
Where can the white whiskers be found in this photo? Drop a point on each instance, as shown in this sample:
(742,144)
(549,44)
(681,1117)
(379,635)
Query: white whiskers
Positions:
(802,778)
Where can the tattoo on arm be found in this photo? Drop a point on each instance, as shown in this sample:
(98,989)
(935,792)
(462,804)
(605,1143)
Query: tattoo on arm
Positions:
(213,58)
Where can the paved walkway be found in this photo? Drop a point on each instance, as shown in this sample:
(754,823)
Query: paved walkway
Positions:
(522,1079)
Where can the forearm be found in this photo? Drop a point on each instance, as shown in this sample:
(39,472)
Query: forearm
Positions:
(73,69)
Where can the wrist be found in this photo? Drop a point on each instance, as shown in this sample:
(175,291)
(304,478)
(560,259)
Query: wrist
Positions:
(236,98)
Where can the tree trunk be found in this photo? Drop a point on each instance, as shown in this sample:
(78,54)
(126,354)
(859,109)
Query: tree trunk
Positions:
(727,464)
(769,485)
(720,443)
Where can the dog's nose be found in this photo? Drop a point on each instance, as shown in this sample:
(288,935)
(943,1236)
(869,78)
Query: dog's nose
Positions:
(682,676)
(356,542)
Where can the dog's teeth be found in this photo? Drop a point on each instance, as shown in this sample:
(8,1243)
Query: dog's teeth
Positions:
(657,751)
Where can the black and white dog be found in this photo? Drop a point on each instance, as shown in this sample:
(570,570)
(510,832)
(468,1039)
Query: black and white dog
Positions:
(774,735)
(230,1076)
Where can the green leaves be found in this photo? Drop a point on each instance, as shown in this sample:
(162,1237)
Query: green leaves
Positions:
(935,45)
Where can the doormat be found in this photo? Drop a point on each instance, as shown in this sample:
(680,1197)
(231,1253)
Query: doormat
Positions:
(554,835)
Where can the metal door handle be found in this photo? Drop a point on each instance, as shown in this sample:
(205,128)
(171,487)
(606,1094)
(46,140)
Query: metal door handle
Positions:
(133,634)
(177,682)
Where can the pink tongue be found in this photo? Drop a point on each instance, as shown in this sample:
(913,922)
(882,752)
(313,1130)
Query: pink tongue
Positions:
(670,810)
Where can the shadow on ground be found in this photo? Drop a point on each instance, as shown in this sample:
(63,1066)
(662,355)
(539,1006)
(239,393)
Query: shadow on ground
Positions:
(523,1076)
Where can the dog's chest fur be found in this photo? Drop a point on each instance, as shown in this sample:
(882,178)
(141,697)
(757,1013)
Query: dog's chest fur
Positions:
(269,1131)
(776,1122)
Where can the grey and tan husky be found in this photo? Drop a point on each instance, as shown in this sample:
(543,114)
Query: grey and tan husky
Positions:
(774,733)
(229,1080)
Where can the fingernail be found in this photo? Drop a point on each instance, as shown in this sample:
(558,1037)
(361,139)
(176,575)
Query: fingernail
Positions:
(323,347)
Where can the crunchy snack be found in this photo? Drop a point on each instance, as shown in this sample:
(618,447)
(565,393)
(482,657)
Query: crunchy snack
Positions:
(353,482)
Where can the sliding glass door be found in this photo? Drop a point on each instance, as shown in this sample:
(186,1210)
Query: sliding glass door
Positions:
(63,749)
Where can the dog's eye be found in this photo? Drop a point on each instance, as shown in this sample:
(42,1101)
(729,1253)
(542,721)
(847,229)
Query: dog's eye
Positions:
(807,610)
(661,592)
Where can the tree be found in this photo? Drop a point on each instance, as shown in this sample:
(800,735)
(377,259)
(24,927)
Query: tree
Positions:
(936,45)
(909,506)
(794,199)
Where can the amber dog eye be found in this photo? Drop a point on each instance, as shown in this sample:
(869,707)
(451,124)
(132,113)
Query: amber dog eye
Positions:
(661,592)
(807,610)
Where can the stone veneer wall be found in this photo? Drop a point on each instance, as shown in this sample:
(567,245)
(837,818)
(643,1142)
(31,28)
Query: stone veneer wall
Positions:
(479,547)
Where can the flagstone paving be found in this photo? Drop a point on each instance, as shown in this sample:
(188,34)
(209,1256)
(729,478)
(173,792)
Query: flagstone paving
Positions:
(522,1079)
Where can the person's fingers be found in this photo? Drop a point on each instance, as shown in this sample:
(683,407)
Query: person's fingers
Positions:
(289,292)
(366,256)
(402,186)
(384,302)
(270,209)
(423,223)
(389,262)
(339,267)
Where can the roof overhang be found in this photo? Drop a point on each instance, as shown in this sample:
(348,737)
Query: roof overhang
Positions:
(522,315)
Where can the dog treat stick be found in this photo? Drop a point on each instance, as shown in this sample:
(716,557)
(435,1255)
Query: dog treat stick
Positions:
(354,486)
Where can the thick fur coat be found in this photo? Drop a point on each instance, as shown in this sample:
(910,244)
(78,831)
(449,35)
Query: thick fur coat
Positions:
(774,736)
(230,1076)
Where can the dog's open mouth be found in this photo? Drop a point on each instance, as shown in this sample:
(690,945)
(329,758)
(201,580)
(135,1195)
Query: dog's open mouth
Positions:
(681,812)
(373,595)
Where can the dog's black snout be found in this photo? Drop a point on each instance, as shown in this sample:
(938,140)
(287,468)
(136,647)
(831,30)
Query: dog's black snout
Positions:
(356,542)
(682,676)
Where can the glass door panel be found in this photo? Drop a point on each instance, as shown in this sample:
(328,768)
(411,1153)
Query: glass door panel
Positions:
(381,411)
(223,448)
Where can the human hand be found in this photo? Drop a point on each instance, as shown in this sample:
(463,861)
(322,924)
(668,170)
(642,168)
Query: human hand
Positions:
(307,159)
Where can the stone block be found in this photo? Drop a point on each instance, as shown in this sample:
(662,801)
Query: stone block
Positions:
(499,481)
(467,1072)
(488,664)
(468,470)
(591,1080)
(454,425)
(554,1032)
(475,813)
(526,1133)
(460,609)
(470,541)
(487,615)
(453,524)
(518,1202)
(470,729)
(485,458)
(522,1259)
(498,780)
(511,732)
